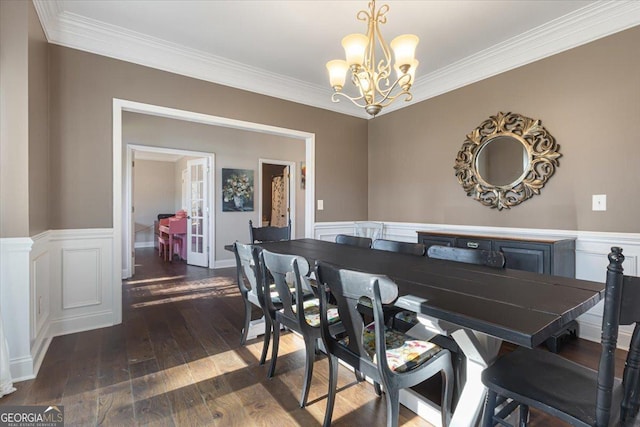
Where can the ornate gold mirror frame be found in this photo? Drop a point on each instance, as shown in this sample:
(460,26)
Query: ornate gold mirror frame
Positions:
(538,166)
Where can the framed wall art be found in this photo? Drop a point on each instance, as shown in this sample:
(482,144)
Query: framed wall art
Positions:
(237,190)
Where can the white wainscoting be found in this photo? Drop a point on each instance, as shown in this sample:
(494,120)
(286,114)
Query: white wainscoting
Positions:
(58,282)
(40,281)
(592,249)
(82,282)
(63,281)
(15,304)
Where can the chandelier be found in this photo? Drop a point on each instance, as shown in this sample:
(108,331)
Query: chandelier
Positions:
(372,80)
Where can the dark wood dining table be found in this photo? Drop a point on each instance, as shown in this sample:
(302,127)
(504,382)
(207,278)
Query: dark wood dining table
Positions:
(478,306)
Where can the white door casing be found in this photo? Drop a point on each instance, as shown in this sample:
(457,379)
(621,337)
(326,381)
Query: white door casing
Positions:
(121,199)
(127,201)
(292,194)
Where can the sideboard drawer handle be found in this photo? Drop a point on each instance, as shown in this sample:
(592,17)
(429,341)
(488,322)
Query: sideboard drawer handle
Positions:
(473,245)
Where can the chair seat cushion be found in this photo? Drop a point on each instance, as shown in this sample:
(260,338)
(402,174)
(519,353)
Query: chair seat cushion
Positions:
(551,383)
(312,312)
(407,316)
(404,353)
(365,301)
(275,297)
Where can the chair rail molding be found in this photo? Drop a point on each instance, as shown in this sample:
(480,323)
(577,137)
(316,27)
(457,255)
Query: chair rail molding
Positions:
(592,248)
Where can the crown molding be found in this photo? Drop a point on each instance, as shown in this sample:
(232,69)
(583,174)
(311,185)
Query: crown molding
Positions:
(585,25)
(592,22)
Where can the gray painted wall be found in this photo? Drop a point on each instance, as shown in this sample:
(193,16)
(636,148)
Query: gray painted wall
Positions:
(588,98)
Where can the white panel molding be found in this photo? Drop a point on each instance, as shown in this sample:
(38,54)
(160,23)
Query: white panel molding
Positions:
(81,285)
(592,22)
(40,280)
(83,289)
(40,283)
(329,230)
(592,249)
(15,303)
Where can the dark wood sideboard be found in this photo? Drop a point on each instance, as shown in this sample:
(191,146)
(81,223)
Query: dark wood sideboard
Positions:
(540,255)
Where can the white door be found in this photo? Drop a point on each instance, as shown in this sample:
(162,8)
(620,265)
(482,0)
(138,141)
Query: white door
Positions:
(198,212)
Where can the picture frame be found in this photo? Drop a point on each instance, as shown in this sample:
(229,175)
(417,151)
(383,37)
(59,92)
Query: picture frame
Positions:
(237,190)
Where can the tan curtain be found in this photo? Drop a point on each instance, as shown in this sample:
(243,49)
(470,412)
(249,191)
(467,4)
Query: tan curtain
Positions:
(6,384)
(278,202)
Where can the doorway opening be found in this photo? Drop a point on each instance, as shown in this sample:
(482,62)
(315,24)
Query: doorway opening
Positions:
(192,168)
(277,193)
(122,234)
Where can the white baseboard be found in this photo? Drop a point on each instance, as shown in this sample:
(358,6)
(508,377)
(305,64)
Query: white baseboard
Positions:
(81,323)
(39,352)
(225,263)
(22,369)
(139,245)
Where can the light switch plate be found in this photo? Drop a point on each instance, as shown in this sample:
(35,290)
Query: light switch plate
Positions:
(320,205)
(599,202)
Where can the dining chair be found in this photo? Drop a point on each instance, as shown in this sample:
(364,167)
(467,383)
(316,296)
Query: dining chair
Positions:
(361,242)
(405,319)
(407,248)
(248,273)
(400,247)
(385,355)
(370,229)
(567,390)
(298,314)
(269,234)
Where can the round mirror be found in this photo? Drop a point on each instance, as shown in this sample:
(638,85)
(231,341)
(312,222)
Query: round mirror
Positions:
(506,160)
(502,160)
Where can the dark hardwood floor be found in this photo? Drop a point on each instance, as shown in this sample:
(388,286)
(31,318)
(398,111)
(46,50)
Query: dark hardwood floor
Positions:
(176,360)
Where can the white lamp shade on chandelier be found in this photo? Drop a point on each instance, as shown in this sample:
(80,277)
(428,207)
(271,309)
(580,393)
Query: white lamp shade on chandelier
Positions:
(371,77)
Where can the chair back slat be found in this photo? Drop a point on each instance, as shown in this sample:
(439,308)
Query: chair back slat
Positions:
(631,376)
(246,266)
(630,310)
(361,242)
(347,287)
(286,269)
(269,234)
(408,248)
(469,256)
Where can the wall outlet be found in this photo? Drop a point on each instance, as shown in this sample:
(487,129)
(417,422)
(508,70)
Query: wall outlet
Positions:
(320,205)
(599,202)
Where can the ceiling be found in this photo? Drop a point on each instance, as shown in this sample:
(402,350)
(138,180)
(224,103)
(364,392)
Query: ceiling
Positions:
(279,48)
